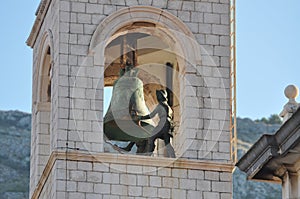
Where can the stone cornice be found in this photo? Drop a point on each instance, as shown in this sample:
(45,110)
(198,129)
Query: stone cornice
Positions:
(251,162)
(269,154)
(145,161)
(40,15)
(109,158)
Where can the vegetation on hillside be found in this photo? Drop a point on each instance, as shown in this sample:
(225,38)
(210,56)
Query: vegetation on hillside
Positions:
(14,154)
(273,119)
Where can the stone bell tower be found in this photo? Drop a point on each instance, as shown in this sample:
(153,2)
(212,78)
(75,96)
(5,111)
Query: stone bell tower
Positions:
(79,48)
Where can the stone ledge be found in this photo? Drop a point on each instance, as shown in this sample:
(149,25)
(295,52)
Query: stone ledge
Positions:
(128,160)
(145,161)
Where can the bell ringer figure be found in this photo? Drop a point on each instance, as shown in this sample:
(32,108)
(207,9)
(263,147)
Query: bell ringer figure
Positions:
(164,128)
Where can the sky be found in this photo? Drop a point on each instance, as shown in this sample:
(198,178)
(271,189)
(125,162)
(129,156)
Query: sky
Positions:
(268,54)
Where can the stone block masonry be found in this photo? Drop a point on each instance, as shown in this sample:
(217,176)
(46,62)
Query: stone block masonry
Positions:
(66,29)
(84,176)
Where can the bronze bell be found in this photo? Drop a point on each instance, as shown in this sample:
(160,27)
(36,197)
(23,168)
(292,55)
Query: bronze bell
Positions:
(120,123)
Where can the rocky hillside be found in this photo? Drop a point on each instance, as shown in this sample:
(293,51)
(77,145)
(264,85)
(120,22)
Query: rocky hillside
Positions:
(15,152)
(249,132)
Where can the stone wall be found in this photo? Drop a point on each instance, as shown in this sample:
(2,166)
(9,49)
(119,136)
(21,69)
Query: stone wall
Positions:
(48,36)
(204,87)
(86,176)
(77,95)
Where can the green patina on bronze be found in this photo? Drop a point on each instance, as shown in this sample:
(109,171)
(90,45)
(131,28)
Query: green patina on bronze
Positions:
(127,102)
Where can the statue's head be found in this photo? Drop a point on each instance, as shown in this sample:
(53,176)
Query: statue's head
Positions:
(161,95)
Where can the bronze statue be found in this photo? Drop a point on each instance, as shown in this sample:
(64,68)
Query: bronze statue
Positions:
(164,128)
(128,118)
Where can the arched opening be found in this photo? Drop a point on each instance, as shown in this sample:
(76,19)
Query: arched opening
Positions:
(146,23)
(148,50)
(41,147)
(43,112)
(46,76)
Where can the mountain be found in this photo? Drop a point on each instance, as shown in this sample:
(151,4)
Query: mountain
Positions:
(15,156)
(248,133)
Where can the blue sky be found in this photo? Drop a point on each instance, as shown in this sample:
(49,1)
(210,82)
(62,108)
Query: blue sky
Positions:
(268,54)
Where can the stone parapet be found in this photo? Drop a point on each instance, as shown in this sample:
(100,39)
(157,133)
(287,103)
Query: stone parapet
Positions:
(104,174)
